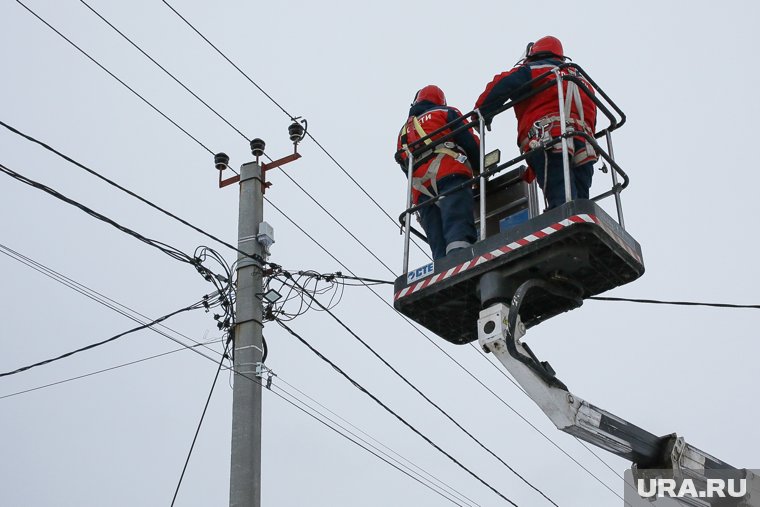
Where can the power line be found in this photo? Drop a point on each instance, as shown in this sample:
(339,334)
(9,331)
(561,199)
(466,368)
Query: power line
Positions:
(393,413)
(194,306)
(188,134)
(678,303)
(241,133)
(329,155)
(373,254)
(104,370)
(223,284)
(424,396)
(350,439)
(161,67)
(167,249)
(177,125)
(462,367)
(200,423)
(112,304)
(549,439)
(126,190)
(423,471)
(228,60)
(430,481)
(100,298)
(196,96)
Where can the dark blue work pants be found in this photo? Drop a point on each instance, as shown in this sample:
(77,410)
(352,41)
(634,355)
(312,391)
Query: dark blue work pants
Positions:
(554,189)
(449,223)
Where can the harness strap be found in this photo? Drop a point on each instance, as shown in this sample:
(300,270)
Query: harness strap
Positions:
(430,175)
(438,152)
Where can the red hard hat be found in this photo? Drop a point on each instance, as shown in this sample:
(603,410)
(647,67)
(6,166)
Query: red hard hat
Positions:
(432,94)
(545,46)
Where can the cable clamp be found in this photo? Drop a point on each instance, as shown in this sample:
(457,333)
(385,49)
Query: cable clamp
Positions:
(263,371)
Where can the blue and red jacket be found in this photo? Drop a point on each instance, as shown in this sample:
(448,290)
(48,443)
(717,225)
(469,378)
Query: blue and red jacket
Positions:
(544,106)
(460,156)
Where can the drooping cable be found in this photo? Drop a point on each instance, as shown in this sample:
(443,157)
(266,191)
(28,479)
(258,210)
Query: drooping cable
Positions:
(102,299)
(104,370)
(194,306)
(200,423)
(167,249)
(394,414)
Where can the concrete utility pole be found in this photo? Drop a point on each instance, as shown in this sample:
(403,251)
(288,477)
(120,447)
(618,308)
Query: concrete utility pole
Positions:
(245,469)
(254,239)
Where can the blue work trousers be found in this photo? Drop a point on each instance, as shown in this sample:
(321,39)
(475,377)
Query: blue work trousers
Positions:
(554,189)
(449,223)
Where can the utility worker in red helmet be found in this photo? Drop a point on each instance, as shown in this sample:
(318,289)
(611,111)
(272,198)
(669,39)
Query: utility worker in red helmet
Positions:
(449,222)
(538,120)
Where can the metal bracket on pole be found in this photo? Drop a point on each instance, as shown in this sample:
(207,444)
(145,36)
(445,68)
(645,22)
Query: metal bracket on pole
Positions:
(263,371)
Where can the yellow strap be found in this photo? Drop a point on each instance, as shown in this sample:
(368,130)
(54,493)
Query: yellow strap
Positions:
(438,149)
(420,131)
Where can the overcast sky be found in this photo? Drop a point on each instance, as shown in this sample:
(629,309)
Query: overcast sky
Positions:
(683,73)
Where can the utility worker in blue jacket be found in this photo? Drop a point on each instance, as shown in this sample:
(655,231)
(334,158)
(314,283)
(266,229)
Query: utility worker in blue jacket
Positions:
(449,223)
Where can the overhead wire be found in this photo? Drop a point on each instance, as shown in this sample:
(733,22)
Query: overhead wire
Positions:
(227,122)
(422,471)
(114,305)
(677,303)
(101,299)
(415,471)
(99,15)
(125,190)
(609,299)
(195,306)
(395,414)
(461,366)
(188,134)
(547,437)
(353,440)
(104,370)
(292,118)
(200,423)
(169,250)
(163,247)
(424,396)
(196,96)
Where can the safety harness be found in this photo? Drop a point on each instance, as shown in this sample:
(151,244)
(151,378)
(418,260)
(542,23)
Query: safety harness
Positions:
(445,149)
(540,132)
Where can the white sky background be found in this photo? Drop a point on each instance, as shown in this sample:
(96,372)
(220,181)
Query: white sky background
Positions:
(683,73)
